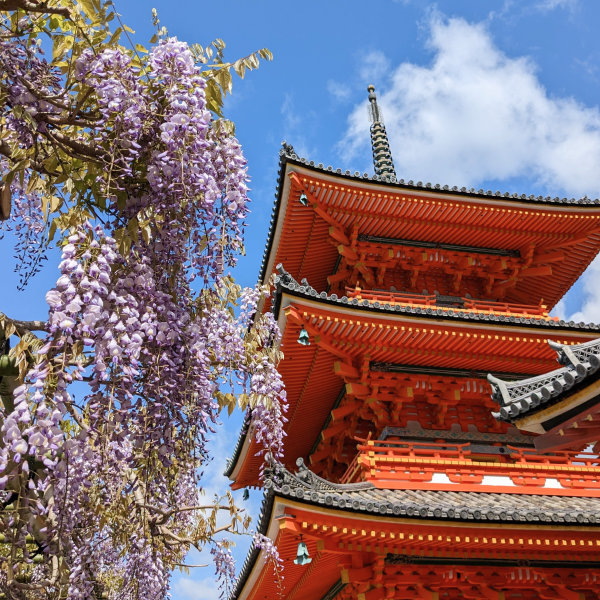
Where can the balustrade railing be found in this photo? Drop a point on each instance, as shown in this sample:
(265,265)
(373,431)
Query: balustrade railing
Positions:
(402,461)
(449,302)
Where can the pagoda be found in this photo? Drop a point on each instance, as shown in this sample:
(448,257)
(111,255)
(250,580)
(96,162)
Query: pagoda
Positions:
(408,473)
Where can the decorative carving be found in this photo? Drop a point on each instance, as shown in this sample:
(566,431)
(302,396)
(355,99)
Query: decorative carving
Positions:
(520,397)
(304,480)
(288,151)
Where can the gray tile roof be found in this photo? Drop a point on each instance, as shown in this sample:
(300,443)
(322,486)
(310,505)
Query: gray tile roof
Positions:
(458,437)
(288,155)
(310,489)
(427,504)
(520,398)
(284,281)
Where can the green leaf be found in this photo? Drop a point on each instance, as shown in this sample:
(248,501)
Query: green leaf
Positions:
(243,401)
(214,99)
(224,79)
(53,228)
(121,200)
(266,54)
(132,228)
(153,39)
(88,8)
(55,203)
(240,68)
(21,113)
(115,36)
(141,48)
(146,233)
(128,29)
(50,164)
(58,47)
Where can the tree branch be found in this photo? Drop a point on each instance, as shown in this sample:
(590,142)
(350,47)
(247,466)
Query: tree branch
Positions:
(23,327)
(168,513)
(35,7)
(62,139)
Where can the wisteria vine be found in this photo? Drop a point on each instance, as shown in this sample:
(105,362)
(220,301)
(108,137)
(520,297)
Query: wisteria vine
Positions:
(102,491)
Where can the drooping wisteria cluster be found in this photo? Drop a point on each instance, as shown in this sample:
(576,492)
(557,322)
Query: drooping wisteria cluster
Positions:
(271,556)
(32,86)
(28,223)
(265,382)
(122,104)
(23,69)
(224,566)
(106,485)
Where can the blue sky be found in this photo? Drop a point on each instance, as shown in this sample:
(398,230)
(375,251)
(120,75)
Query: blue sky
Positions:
(493,94)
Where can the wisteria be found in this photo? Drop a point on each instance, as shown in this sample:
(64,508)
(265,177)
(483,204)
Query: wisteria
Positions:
(270,556)
(224,566)
(27,222)
(146,195)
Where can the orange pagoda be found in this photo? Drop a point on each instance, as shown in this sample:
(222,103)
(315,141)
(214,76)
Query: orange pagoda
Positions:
(421,372)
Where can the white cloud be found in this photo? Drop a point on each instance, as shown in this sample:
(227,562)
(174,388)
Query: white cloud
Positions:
(339,91)
(374,66)
(475,114)
(548,5)
(590,300)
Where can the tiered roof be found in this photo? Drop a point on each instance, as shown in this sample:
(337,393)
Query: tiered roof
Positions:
(399,339)
(563,405)
(404,297)
(439,530)
(561,235)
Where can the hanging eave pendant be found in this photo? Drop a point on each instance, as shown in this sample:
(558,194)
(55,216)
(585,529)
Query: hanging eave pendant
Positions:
(302,557)
(303,337)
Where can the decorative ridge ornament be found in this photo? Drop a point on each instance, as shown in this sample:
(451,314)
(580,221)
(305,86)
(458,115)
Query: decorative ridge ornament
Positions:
(304,481)
(382,155)
(525,396)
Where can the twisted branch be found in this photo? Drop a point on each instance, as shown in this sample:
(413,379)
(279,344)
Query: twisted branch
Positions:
(35,7)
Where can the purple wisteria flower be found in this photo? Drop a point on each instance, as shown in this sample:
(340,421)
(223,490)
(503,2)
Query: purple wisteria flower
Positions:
(142,312)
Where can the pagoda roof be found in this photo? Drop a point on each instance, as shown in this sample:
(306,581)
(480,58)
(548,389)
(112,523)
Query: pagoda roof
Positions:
(532,219)
(566,398)
(285,282)
(312,387)
(364,497)
(288,492)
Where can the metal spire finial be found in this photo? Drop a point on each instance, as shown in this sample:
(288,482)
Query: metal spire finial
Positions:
(382,156)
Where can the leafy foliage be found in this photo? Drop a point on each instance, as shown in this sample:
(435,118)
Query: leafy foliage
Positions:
(120,155)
